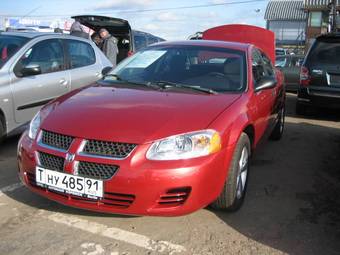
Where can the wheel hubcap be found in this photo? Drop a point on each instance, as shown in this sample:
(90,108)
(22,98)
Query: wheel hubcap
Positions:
(242,173)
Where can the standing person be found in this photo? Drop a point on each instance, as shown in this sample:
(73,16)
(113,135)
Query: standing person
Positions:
(97,40)
(110,46)
(77,30)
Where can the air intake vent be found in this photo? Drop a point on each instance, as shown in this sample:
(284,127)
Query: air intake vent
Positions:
(96,170)
(116,199)
(174,197)
(55,140)
(51,162)
(108,149)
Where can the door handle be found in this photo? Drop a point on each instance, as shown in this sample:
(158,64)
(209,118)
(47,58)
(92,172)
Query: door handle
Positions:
(63,82)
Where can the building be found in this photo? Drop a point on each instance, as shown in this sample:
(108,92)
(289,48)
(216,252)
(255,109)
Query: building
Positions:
(288,20)
(318,17)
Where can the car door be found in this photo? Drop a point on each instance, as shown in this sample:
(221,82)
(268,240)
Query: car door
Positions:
(263,99)
(49,80)
(85,67)
(273,92)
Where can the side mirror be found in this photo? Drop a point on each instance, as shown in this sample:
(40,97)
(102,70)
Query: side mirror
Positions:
(30,70)
(266,83)
(106,70)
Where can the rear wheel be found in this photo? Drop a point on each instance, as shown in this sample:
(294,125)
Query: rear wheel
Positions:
(235,186)
(279,127)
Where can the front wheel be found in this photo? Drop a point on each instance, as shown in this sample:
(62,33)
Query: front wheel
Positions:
(279,127)
(235,186)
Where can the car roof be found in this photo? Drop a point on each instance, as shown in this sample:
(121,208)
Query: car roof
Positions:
(207,43)
(32,35)
(26,34)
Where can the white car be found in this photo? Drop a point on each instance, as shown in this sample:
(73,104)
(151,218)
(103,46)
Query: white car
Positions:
(37,67)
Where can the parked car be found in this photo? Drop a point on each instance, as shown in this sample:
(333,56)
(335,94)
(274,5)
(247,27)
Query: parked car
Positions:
(166,133)
(320,75)
(129,41)
(290,66)
(38,67)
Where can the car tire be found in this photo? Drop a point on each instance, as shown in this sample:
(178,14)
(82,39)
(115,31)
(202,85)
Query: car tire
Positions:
(2,128)
(235,186)
(277,133)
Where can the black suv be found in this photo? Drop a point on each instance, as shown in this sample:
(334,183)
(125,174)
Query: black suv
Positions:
(320,75)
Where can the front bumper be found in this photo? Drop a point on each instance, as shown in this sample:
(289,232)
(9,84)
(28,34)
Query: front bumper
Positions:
(140,186)
(319,96)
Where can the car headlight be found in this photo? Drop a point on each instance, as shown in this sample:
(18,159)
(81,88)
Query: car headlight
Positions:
(38,119)
(34,126)
(185,146)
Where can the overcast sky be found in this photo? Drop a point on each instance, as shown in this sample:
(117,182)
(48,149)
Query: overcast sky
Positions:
(174,24)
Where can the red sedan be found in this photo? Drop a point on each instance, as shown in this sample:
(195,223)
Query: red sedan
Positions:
(168,132)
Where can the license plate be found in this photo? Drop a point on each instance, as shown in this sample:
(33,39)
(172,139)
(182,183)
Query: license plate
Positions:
(70,184)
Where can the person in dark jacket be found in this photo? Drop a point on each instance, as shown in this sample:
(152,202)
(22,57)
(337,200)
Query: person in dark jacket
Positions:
(77,30)
(109,46)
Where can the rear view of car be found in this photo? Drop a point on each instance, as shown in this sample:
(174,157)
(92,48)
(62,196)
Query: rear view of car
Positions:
(320,75)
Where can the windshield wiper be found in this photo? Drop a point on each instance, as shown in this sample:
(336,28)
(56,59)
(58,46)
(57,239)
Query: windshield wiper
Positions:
(168,84)
(147,84)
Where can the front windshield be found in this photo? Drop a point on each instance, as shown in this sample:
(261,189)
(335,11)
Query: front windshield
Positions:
(9,45)
(217,69)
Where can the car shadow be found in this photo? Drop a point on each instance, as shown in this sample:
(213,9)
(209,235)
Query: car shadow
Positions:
(25,196)
(315,113)
(293,197)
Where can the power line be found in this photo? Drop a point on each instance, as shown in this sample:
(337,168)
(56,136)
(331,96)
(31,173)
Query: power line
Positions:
(189,7)
(151,10)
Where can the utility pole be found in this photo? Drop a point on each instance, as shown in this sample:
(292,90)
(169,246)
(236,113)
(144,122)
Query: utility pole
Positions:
(332,16)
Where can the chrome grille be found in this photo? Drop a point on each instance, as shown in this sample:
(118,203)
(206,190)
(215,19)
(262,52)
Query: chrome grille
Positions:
(108,149)
(96,170)
(56,140)
(51,162)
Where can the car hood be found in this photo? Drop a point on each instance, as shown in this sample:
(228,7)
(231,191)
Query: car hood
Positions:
(133,115)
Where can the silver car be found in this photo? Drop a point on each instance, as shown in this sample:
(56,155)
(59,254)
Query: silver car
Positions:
(38,67)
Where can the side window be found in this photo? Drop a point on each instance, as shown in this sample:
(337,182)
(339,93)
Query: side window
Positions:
(48,55)
(268,67)
(80,54)
(258,67)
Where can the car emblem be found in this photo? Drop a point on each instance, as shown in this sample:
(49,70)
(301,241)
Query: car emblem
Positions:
(69,157)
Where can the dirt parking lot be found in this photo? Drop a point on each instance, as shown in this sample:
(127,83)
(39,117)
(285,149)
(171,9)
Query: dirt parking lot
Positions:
(292,206)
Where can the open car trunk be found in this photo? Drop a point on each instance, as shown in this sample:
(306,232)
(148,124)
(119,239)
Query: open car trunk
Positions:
(119,28)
